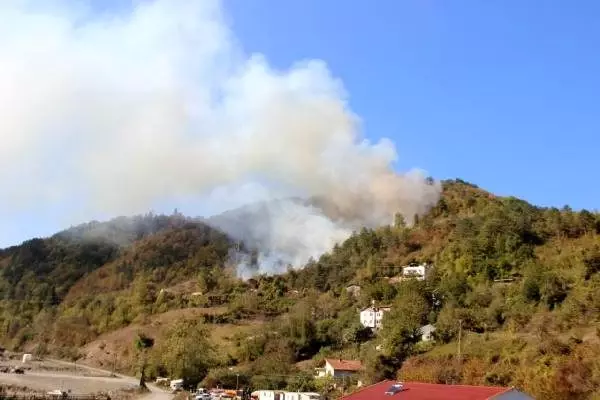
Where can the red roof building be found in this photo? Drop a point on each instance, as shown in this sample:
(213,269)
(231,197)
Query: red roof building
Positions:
(388,390)
(344,365)
(338,368)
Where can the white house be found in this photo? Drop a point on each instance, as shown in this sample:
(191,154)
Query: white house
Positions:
(427,332)
(415,271)
(372,317)
(27,357)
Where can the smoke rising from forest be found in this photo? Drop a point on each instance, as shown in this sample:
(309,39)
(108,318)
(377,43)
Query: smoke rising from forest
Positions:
(120,111)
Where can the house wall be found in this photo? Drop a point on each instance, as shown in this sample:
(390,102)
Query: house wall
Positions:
(341,374)
(427,333)
(367,318)
(427,336)
(329,369)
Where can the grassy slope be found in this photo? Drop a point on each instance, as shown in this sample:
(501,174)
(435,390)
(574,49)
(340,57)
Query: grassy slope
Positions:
(115,347)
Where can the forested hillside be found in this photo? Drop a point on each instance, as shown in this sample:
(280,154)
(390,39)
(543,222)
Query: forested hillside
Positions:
(78,281)
(521,282)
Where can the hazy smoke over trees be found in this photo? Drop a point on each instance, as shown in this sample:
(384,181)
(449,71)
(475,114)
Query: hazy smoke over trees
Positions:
(126,110)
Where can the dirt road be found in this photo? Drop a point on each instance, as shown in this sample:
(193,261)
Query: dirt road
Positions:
(82,380)
(46,381)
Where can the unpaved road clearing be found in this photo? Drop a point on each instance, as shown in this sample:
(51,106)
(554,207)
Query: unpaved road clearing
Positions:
(46,381)
(80,379)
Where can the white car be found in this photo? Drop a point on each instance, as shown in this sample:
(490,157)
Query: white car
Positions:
(202,394)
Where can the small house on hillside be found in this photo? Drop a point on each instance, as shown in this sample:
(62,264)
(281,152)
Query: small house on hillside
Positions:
(387,390)
(427,332)
(372,317)
(338,368)
(354,290)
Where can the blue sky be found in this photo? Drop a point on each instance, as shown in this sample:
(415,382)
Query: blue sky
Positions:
(504,94)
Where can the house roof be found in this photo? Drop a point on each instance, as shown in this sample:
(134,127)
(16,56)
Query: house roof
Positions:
(426,391)
(344,365)
(377,308)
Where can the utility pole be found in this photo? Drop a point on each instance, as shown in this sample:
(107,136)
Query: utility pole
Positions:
(459,338)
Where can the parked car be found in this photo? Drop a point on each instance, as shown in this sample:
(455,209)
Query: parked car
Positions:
(202,394)
(17,370)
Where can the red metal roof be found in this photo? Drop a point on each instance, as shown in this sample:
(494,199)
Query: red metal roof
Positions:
(426,391)
(344,365)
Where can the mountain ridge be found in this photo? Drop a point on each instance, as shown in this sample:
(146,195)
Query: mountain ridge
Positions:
(501,265)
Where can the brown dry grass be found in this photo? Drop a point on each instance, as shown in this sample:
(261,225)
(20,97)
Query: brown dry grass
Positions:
(116,347)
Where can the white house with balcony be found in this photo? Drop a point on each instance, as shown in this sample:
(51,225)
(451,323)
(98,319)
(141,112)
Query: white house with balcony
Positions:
(372,317)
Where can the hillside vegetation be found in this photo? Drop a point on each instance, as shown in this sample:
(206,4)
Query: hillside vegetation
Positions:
(520,282)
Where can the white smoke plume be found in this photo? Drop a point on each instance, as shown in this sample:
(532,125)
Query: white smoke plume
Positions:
(119,111)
